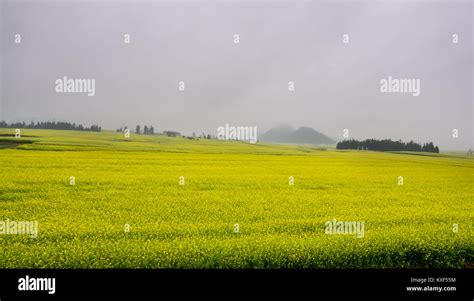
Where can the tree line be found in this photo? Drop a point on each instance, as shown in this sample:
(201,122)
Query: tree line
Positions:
(387,145)
(51,125)
(147,130)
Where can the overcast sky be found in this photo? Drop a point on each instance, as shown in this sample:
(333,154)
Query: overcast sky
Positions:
(337,85)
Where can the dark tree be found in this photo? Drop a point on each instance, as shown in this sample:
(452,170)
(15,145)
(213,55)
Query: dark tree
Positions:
(387,145)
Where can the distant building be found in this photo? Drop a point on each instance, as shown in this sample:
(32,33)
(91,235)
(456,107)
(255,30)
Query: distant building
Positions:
(171,133)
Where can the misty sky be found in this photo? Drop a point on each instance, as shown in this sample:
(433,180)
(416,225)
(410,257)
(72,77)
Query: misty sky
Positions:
(337,85)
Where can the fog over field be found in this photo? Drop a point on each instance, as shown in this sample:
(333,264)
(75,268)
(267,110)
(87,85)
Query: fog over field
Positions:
(336,84)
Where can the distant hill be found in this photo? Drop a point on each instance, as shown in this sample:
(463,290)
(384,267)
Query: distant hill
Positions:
(303,135)
(277,134)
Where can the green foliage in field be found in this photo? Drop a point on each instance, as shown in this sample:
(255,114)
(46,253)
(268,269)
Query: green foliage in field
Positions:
(136,182)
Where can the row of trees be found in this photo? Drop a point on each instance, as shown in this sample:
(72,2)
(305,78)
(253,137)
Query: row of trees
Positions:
(149,130)
(146,130)
(387,145)
(51,125)
(202,136)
